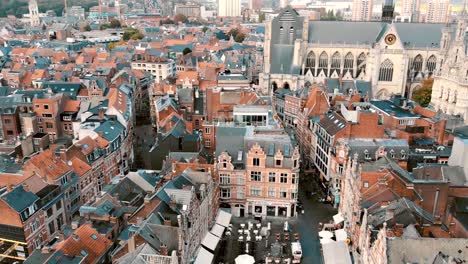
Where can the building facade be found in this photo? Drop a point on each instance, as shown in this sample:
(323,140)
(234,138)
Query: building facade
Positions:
(362,10)
(393,58)
(229,8)
(437,11)
(450,88)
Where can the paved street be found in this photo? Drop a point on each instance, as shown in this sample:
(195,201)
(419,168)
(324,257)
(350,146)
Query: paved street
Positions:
(315,212)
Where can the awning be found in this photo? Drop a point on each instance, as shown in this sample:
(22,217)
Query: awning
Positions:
(218,230)
(210,241)
(223,218)
(341,235)
(338,218)
(204,257)
(336,253)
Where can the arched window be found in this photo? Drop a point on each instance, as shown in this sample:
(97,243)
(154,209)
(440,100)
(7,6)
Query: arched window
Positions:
(361,63)
(323,63)
(286,85)
(349,62)
(431,63)
(310,62)
(417,63)
(307,84)
(386,71)
(323,60)
(336,61)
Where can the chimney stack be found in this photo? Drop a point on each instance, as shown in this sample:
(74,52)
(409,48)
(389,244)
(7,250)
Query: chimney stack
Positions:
(163,250)
(101,114)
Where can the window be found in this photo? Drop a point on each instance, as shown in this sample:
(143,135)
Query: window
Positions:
(310,63)
(256,162)
(386,71)
(271,177)
(49,125)
(197,122)
(403,155)
(33,226)
(255,191)
(224,179)
(417,63)
(208,143)
(255,176)
(323,60)
(293,178)
(295,163)
(366,154)
(336,61)
(47,115)
(278,162)
(294,194)
(349,61)
(431,63)
(225,193)
(50,212)
(51,228)
(366,184)
(207,130)
(46,106)
(271,192)
(283,193)
(7,121)
(58,205)
(284,178)
(10,132)
(340,169)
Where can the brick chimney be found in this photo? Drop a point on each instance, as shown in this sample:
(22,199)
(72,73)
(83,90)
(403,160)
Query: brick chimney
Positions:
(101,113)
(163,250)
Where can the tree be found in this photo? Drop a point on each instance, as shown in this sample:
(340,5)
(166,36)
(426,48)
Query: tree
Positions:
(422,95)
(104,26)
(87,28)
(233,32)
(204,29)
(132,33)
(186,51)
(239,37)
(261,17)
(180,18)
(114,23)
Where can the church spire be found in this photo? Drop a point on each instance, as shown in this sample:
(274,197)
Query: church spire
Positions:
(34,13)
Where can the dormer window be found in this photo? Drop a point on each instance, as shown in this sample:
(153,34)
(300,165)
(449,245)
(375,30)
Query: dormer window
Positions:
(278,163)
(367,155)
(403,155)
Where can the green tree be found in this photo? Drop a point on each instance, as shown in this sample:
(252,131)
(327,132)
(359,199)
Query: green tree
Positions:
(261,17)
(114,23)
(87,28)
(186,51)
(422,95)
(132,33)
(104,26)
(239,37)
(204,29)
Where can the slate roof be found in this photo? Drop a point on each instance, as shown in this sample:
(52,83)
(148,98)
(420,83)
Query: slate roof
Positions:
(332,123)
(424,250)
(344,32)
(231,140)
(19,199)
(419,35)
(390,108)
(110,129)
(70,89)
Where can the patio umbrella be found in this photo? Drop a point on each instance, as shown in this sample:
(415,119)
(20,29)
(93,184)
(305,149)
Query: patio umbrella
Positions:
(325,234)
(245,259)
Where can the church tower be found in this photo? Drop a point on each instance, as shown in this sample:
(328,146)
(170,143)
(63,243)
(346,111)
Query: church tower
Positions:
(34,13)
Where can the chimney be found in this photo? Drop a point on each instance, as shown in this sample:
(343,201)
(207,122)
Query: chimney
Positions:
(131,244)
(101,114)
(26,187)
(147,200)
(9,187)
(167,222)
(163,250)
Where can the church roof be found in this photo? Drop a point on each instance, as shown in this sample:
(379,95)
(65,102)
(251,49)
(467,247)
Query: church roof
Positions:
(412,35)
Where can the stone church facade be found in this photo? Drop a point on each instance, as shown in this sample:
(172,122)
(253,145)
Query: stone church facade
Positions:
(393,58)
(450,88)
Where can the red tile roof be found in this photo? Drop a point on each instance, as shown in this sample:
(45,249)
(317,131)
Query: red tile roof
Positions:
(85,241)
